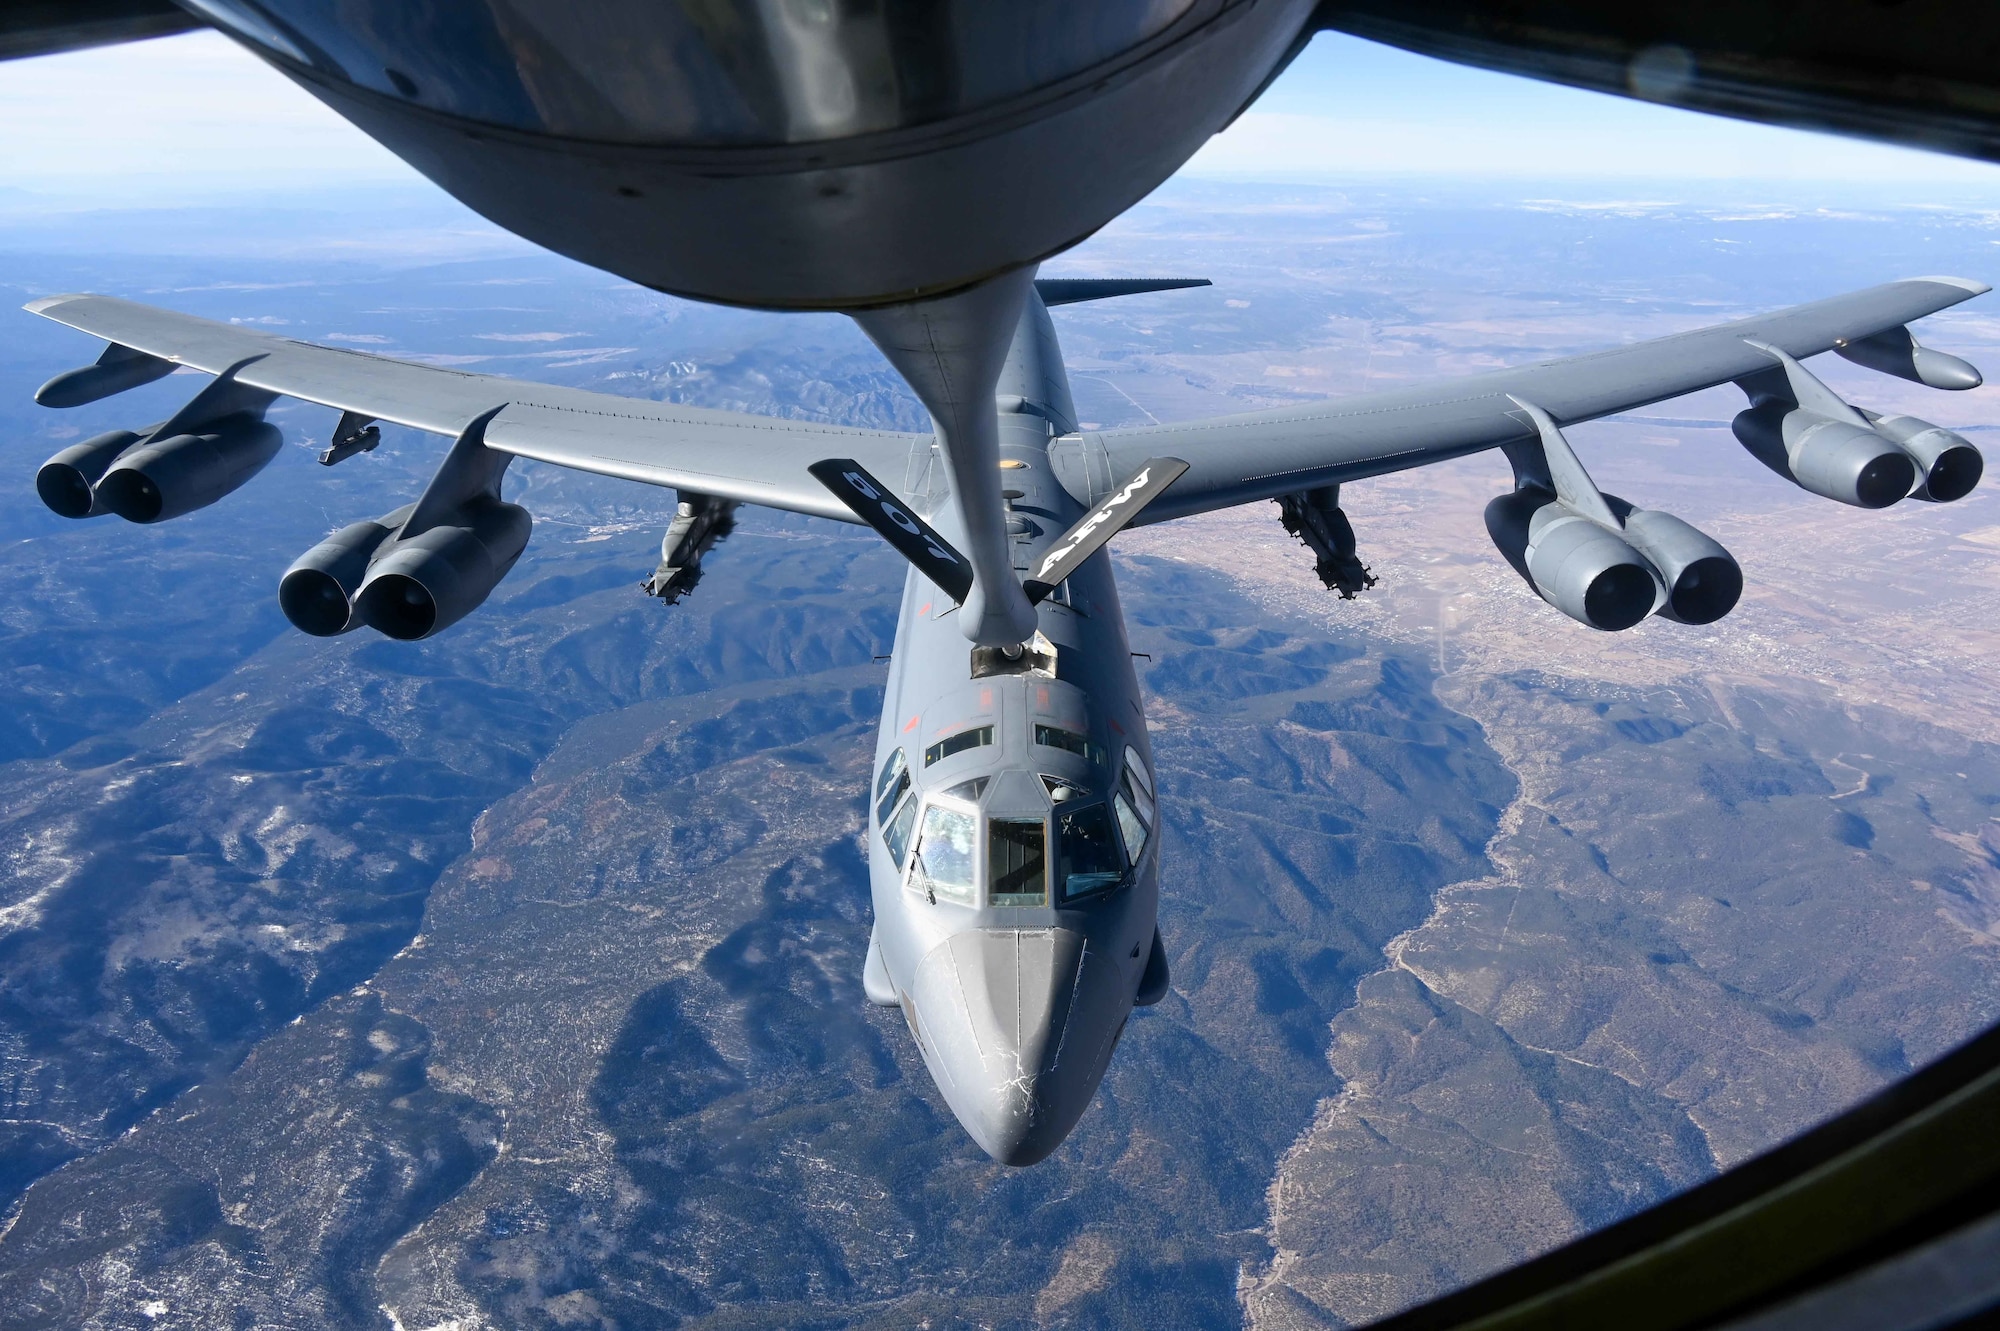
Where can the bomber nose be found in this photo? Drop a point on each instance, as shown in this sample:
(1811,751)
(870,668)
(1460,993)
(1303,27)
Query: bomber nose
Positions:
(1017,1025)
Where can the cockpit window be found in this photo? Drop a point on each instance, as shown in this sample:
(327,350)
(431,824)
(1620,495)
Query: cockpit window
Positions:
(896,832)
(1086,853)
(944,868)
(1055,737)
(959,743)
(892,767)
(1134,804)
(1137,768)
(890,787)
(1017,869)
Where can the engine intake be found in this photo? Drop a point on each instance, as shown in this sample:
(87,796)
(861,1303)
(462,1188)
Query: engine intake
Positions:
(1848,463)
(424,584)
(1948,466)
(67,482)
(317,591)
(1579,567)
(1703,581)
(166,478)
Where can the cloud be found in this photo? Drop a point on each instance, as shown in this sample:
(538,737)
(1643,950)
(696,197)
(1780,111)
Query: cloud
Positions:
(1348,107)
(184,118)
(162,121)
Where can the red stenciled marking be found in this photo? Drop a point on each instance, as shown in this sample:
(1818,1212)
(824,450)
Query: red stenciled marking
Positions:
(1115,726)
(912,726)
(926,610)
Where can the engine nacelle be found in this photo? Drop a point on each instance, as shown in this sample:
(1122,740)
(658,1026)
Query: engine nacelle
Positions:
(317,592)
(1948,466)
(424,584)
(1582,569)
(1703,581)
(1830,458)
(165,478)
(67,482)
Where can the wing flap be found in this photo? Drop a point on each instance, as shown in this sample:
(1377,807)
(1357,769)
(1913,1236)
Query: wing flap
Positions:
(754,459)
(1259,455)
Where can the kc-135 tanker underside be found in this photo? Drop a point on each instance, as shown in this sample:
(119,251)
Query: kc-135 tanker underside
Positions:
(1013,849)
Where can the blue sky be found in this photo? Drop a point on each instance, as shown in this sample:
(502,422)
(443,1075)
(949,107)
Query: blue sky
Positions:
(195,116)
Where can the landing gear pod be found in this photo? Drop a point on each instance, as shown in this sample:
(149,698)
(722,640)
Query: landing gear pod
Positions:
(317,591)
(68,481)
(425,584)
(1830,458)
(179,474)
(1579,567)
(1948,466)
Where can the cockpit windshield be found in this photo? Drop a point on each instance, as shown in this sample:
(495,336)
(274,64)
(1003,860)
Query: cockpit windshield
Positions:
(945,849)
(1087,858)
(1017,869)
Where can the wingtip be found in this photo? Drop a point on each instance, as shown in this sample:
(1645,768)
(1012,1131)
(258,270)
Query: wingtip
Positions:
(43,304)
(1965,284)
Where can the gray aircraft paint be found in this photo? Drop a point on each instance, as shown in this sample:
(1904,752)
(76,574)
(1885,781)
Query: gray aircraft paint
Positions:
(1016,1007)
(866,156)
(1235,459)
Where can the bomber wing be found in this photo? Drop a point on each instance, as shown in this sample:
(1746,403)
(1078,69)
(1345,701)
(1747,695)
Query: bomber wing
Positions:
(1265,454)
(730,455)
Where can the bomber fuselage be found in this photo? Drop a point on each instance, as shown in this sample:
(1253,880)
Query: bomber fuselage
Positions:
(1013,853)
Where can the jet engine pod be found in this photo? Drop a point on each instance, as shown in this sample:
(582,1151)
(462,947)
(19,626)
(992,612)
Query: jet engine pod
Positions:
(317,591)
(1830,458)
(425,583)
(1948,466)
(1582,569)
(1702,579)
(165,478)
(67,482)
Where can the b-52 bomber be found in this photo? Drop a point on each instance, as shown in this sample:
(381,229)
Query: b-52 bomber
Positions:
(911,165)
(1013,848)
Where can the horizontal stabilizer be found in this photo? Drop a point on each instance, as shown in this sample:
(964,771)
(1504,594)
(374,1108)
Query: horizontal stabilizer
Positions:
(1071,290)
(875,504)
(1103,522)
